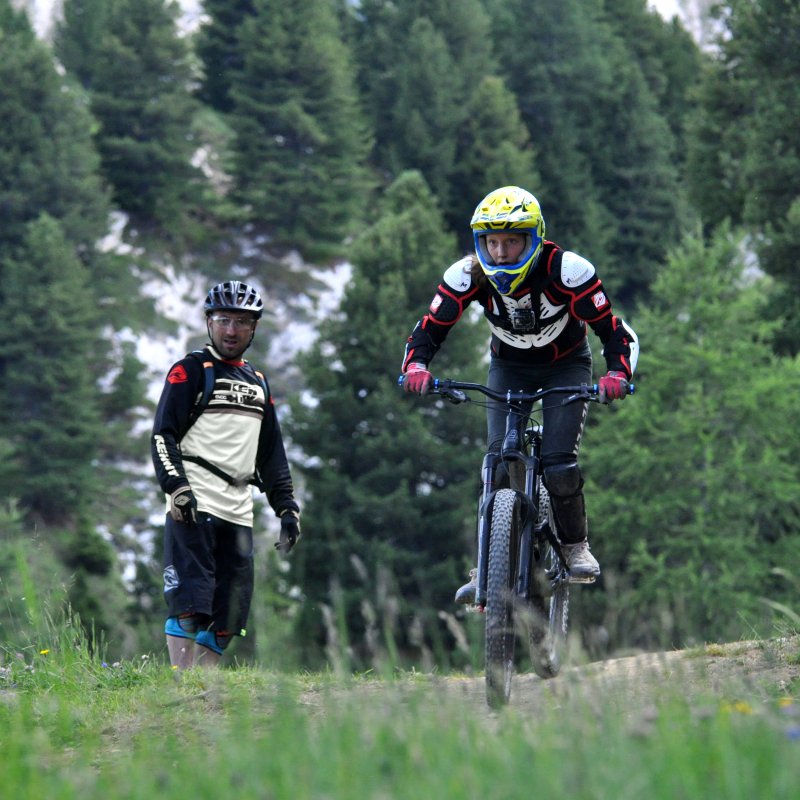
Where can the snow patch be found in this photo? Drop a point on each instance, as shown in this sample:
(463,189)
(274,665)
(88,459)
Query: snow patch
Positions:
(695,16)
(295,335)
(112,241)
(45,14)
(179,298)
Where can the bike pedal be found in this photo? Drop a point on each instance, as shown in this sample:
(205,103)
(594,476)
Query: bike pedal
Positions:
(589,579)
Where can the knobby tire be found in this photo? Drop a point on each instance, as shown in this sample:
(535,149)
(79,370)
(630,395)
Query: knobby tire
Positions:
(502,569)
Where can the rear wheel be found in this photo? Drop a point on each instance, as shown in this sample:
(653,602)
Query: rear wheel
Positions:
(548,618)
(503,557)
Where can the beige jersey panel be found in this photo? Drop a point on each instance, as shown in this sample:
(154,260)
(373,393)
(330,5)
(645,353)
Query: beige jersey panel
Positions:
(226,435)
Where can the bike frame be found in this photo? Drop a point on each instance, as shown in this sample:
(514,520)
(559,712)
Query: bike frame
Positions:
(513,451)
(528,566)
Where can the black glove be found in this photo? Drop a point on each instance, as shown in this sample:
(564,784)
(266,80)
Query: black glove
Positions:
(183,506)
(290,532)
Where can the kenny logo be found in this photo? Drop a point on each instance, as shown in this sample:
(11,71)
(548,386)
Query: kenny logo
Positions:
(161,449)
(244,392)
(239,393)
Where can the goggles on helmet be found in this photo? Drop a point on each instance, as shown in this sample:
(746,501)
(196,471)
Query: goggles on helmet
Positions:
(508,210)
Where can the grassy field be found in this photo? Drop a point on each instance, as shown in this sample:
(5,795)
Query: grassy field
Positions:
(72,726)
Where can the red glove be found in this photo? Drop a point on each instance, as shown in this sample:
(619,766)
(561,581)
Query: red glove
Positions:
(417,379)
(613,386)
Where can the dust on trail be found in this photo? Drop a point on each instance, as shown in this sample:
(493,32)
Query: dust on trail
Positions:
(763,668)
(752,669)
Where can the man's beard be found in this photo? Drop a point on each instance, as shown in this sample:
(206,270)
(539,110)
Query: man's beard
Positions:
(221,348)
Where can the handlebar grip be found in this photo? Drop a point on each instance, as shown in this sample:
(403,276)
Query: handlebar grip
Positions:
(596,388)
(400,381)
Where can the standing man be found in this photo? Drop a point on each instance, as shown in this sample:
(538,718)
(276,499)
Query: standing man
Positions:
(215,435)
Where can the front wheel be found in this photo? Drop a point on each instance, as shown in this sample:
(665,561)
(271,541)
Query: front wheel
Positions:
(503,558)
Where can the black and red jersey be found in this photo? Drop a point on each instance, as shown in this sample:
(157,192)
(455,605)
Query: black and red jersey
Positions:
(544,320)
(237,432)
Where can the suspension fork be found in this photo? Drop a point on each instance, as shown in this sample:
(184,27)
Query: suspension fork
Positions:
(512,452)
(532,465)
(488,470)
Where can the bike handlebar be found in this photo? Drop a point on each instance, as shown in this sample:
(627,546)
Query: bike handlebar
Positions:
(454,390)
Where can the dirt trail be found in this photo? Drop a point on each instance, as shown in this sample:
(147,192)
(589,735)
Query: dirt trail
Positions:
(751,671)
(759,668)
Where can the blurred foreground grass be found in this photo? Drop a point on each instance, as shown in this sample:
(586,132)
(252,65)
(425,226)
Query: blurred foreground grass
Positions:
(72,726)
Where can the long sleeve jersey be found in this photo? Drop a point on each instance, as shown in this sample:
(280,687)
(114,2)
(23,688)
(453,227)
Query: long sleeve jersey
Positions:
(544,320)
(238,432)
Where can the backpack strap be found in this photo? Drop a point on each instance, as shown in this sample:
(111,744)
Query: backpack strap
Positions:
(263,382)
(215,470)
(208,389)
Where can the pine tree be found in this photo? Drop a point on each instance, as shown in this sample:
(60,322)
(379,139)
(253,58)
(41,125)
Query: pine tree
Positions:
(428,108)
(128,55)
(419,65)
(717,132)
(300,139)
(494,150)
(693,488)
(49,166)
(56,292)
(668,57)
(394,480)
(610,189)
(47,161)
(744,160)
(50,416)
(80,35)
(217,44)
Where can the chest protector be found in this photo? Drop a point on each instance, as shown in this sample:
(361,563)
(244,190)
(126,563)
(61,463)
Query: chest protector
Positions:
(526,313)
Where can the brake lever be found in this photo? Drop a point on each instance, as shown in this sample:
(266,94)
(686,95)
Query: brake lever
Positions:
(579,396)
(582,397)
(455,396)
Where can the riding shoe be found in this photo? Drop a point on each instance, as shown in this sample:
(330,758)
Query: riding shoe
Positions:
(581,564)
(466,594)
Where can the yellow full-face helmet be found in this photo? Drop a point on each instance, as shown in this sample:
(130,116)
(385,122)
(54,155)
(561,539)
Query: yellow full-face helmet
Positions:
(508,209)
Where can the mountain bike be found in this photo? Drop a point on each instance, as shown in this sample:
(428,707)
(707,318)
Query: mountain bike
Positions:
(522,574)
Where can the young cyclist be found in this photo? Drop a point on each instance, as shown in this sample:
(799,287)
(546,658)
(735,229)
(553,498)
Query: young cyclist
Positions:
(538,300)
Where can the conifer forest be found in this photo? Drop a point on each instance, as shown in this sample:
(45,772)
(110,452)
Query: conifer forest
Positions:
(331,153)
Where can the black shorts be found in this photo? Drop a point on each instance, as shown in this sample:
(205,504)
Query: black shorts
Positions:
(208,569)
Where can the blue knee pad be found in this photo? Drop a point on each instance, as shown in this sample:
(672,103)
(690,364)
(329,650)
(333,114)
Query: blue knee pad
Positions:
(185,626)
(173,629)
(209,639)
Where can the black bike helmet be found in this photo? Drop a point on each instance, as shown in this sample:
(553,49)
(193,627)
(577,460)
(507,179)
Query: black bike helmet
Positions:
(234,296)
